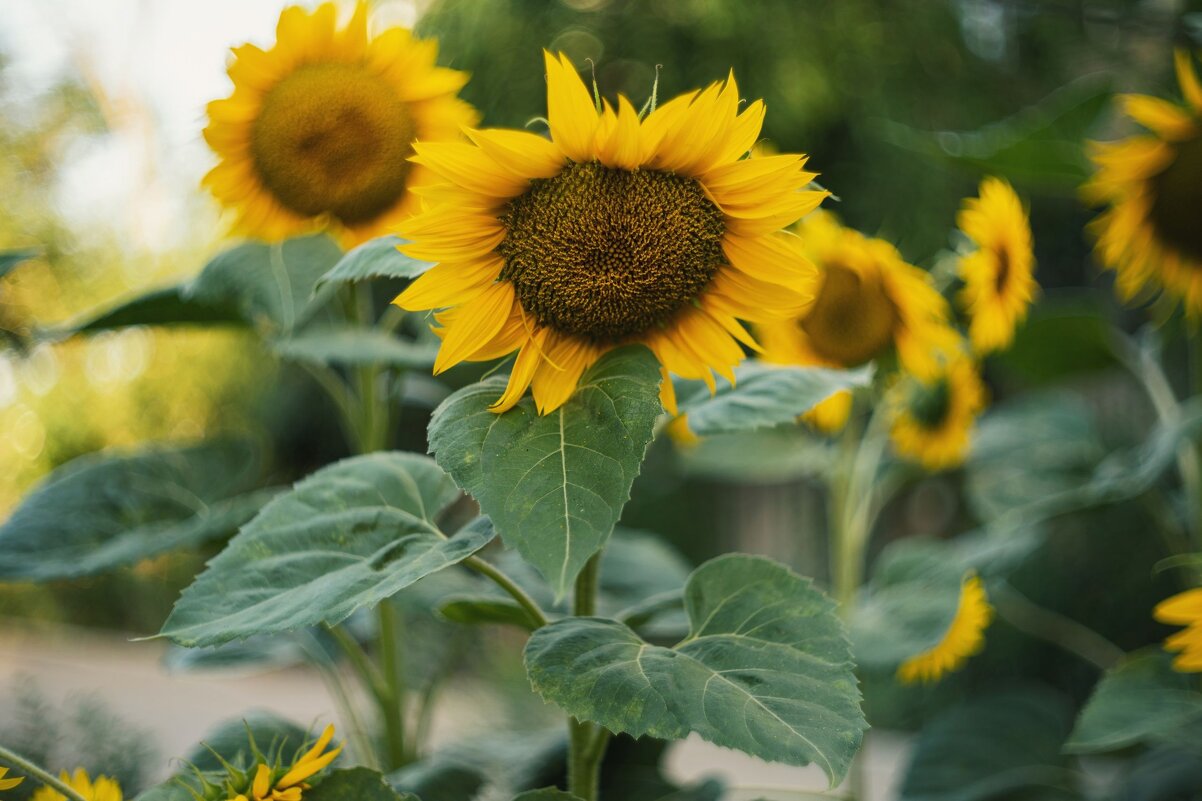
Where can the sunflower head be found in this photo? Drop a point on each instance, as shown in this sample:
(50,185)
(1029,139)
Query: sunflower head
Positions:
(619,228)
(933,417)
(7,783)
(1152,186)
(320,128)
(869,302)
(964,638)
(998,277)
(1184,609)
(101,789)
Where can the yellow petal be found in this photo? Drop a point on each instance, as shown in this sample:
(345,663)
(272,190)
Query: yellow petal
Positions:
(1156,114)
(262,782)
(558,374)
(448,284)
(476,323)
(528,360)
(468,166)
(570,110)
(521,152)
(618,141)
(1187,76)
(1182,609)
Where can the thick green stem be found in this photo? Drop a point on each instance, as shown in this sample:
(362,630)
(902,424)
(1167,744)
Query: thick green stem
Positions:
(30,769)
(586,741)
(508,585)
(393,707)
(1045,624)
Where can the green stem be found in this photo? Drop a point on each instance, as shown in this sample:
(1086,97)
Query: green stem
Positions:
(392,706)
(368,673)
(30,769)
(508,585)
(586,741)
(347,709)
(1045,624)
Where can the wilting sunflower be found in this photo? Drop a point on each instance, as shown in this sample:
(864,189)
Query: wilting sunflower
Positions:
(1152,183)
(8,784)
(964,638)
(320,128)
(998,280)
(615,230)
(1184,609)
(869,302)
(934,417)
(103,789)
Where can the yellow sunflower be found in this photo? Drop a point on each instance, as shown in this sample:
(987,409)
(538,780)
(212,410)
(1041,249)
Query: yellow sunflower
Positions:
(319,129)
(615,230)
(934,417)
(964,638)
(103,789)
(869,301)
(288,783)
(1184,609)
(998,281)
(1152,183)
(8,784)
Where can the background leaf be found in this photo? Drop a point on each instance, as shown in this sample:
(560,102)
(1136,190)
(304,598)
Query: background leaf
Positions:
(766,669)
(230,740)
(553,485)
(355,784)
(350,535)
(106,510)
(171,305)
(1142,699)
(376,258)
(763,395)
(354,346)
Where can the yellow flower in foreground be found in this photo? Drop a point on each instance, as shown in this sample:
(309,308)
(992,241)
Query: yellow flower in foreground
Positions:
(1184,609)
(869,301)
(103,789)
(8,784)
(615,230)
(288,783)
(320,128)
(1150,235)
(934,417)
(999,284)
(965,637)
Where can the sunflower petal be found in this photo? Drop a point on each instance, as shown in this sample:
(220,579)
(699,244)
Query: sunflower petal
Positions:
(570,110)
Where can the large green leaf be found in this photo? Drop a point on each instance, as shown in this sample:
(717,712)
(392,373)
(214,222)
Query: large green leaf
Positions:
(1002,745)
(377,258)
(352,345)
(766,669)
(1141,699)
(355,784)
(271,285)
(350,535)
(762,395)
(553,485)
(546,794)
(106,510)
(438,780)
(171,305)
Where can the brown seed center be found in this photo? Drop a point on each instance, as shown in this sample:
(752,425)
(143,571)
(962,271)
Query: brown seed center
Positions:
(852,319)
(1176,211)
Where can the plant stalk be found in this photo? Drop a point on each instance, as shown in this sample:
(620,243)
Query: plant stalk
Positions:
(509,586)
(586,741)
(30,769)
(392,706)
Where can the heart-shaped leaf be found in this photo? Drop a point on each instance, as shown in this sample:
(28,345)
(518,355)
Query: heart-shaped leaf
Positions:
(763,395)
(553,485)
(350,535)
(377,258)
(766,669)
(107,510)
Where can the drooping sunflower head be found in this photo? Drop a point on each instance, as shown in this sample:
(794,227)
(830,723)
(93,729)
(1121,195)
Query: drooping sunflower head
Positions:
(933,417)
(101,789)
(319,128)
(964,638)
(619,229)
(869,303)
(998,277)
(1152,184)
(1184,609)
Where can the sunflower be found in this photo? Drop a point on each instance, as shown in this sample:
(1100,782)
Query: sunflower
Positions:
(319,129)
(1152,184)
(1184,609)
(998,282)
(288,783)
(103,789)
(8,784)
(869,301)
(618,229)
(933,417)
(963,638)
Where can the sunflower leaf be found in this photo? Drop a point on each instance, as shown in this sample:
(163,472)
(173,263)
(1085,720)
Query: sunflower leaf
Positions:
(352,345)
(377,258)
(763,395)
(107,510)
(171,305)
(553,485)
(348,536)
(766,669)
(355,784)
